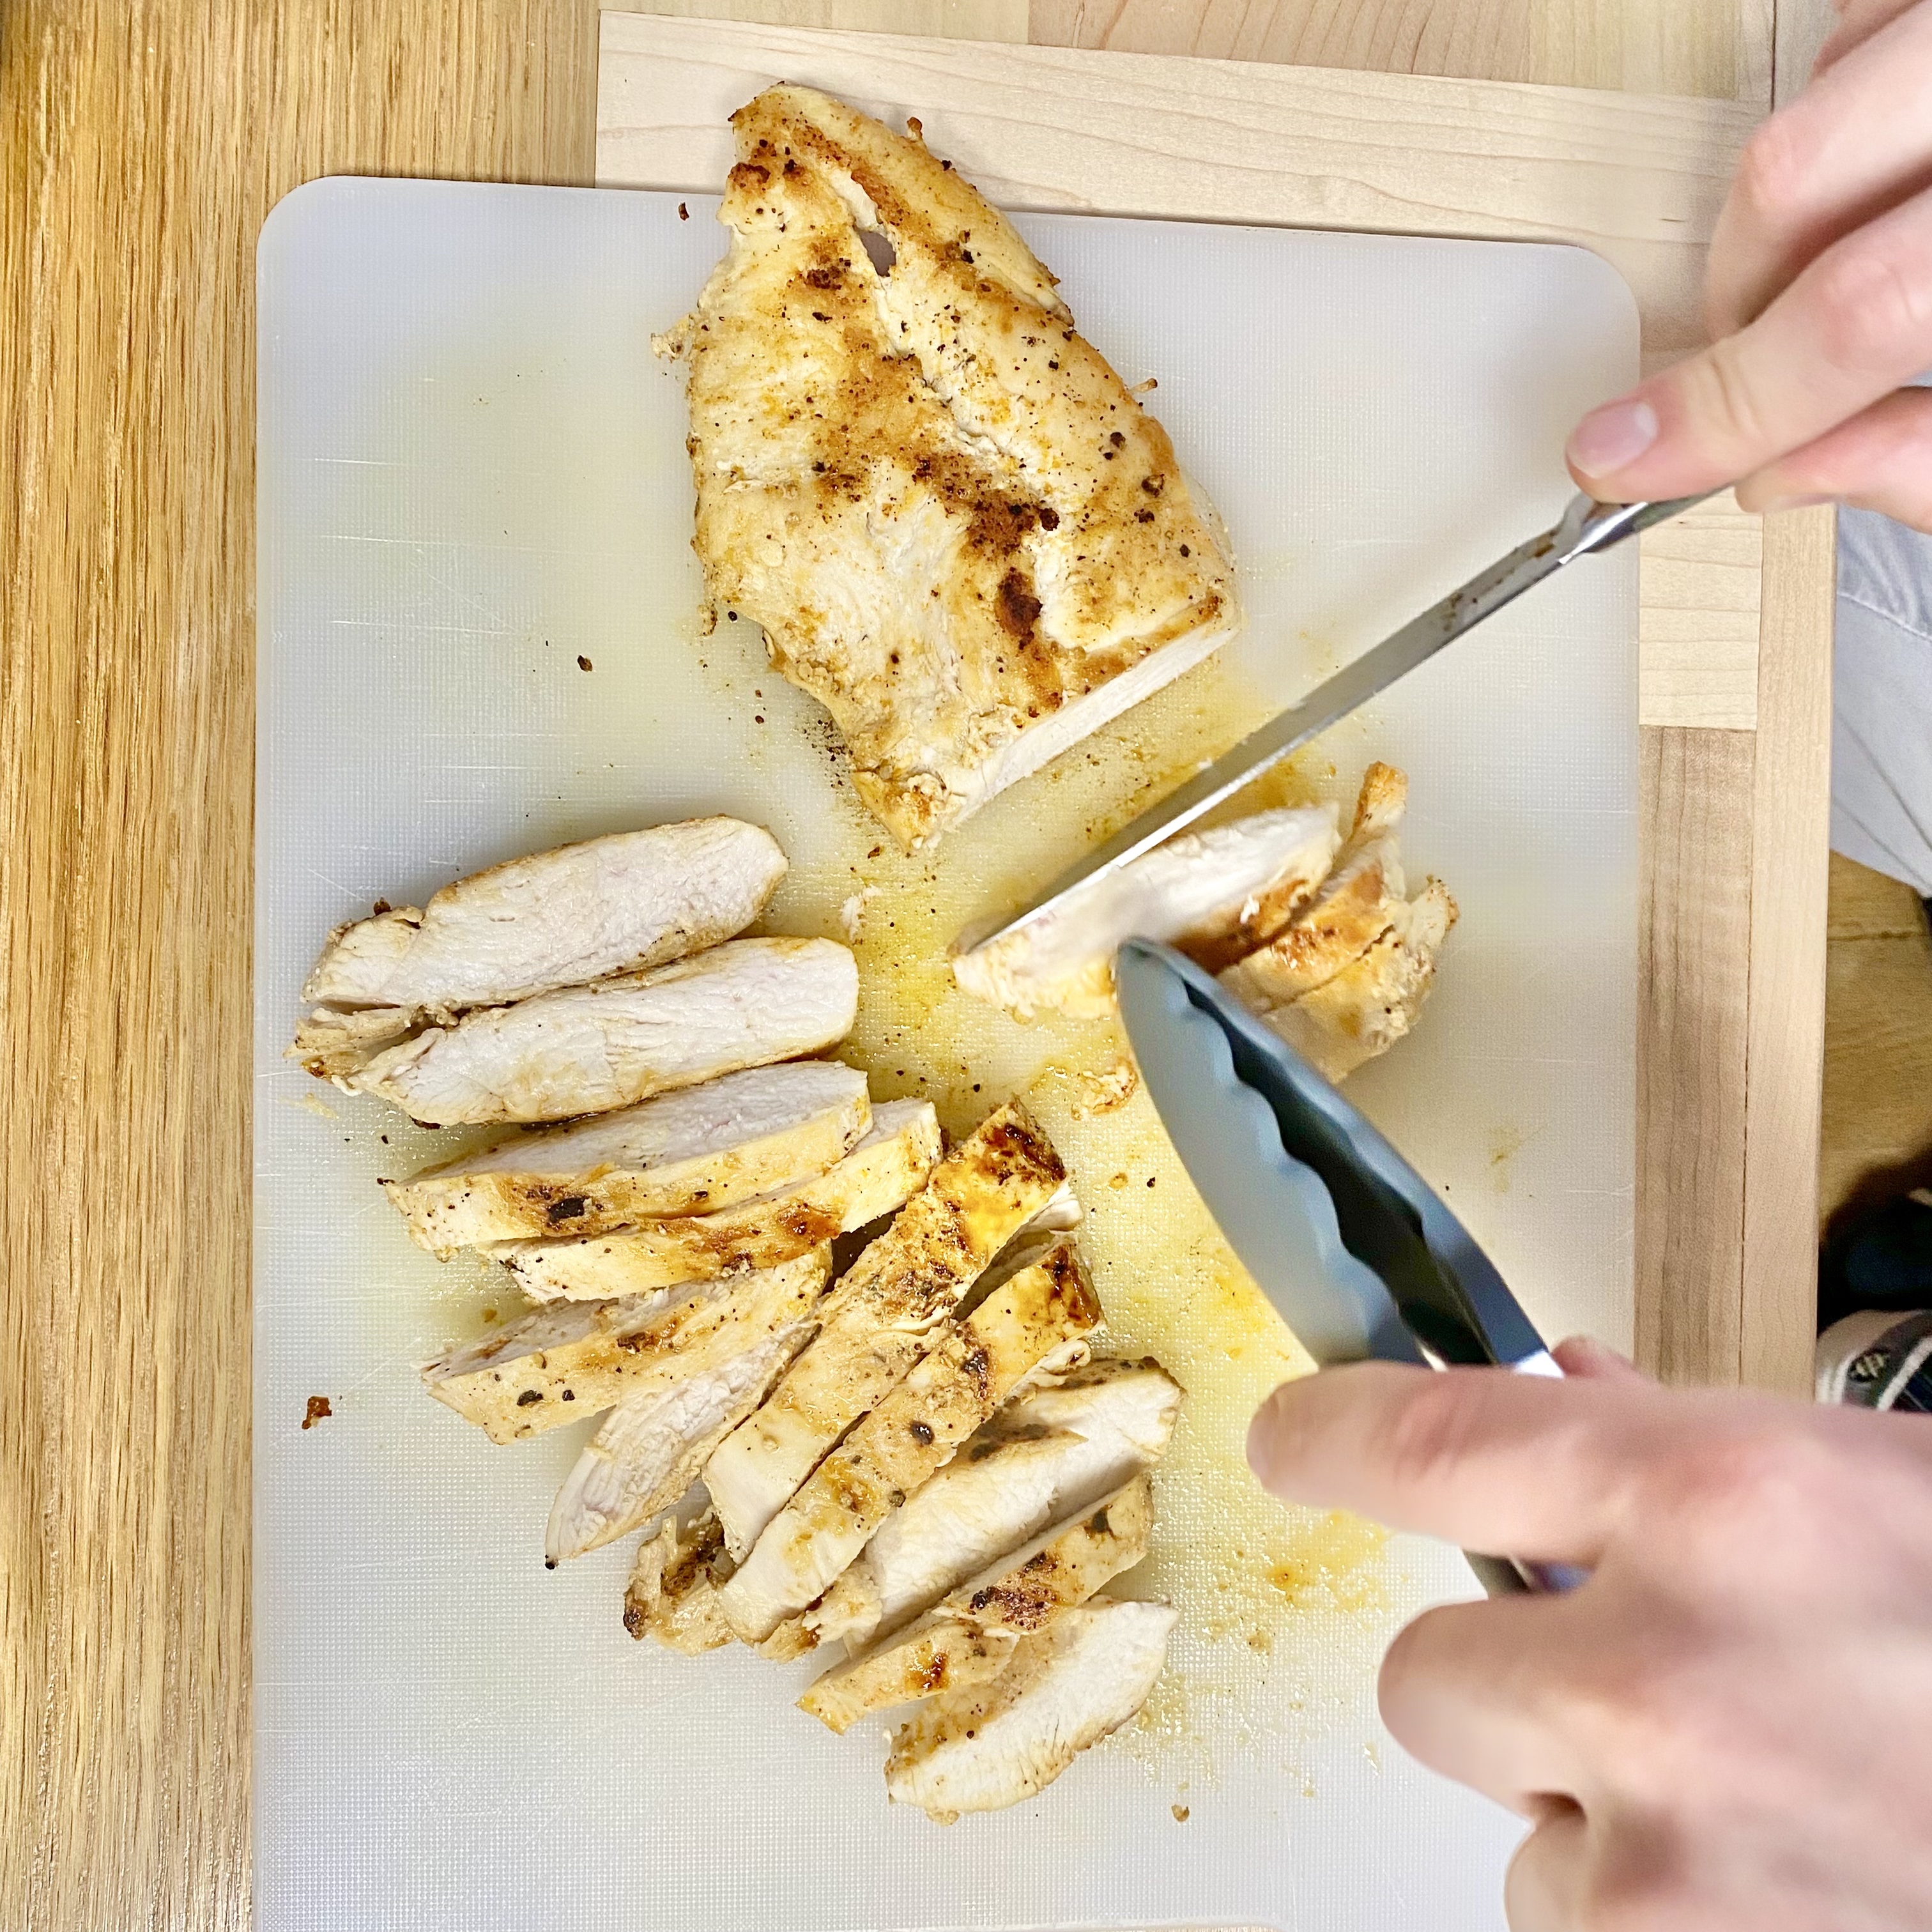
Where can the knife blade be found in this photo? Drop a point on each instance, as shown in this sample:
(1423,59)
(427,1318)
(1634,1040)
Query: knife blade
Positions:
(1586,528)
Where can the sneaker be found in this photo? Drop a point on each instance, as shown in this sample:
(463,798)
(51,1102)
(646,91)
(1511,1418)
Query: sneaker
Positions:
(1877,1359)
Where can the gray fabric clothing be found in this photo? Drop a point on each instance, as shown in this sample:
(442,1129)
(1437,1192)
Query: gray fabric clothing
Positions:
(1882,699)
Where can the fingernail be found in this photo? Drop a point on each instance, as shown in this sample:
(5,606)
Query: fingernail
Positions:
(1612,438)
(1795,503)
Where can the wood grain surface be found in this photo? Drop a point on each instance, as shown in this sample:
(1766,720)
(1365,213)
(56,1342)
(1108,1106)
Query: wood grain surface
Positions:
(143,143)
(1877,1130)
(1642,47)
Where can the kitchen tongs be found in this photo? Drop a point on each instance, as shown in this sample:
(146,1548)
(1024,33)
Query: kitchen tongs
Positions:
(1350,1243)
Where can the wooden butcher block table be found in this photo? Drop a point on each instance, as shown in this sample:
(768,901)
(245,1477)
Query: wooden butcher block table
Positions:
(144,144)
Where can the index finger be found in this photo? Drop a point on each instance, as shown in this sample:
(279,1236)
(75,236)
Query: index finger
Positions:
(1481,1457)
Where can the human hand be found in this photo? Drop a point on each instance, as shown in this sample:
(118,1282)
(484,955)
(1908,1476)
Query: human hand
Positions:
(1729,1726)
(1818,300)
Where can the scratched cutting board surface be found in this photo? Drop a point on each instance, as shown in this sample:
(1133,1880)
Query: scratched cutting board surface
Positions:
(479,636)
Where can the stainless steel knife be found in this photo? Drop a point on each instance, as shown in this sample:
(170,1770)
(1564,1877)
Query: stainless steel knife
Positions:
(1586,528)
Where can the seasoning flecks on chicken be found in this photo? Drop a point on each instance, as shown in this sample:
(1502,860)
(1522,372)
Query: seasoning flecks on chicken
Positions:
(890,1163)
(1369,1006)
(614,905)
(881,1316)
(588,1049)
(695,1151)
(1354,907)
(958,528)
(955,1386)
(1216,894)
(1347,976)
(1047,1453)
(673,1592)
(990,1745)
(566,1363)
(650,1448)
(969,1638)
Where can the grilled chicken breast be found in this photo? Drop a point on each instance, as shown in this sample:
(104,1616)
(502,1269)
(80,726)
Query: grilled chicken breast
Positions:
(692,1152)
(587,1049)
(960,531)
(651,1447)
(672,1592)
(336,1045)
(889,1164)
(615,905)
(1368,1006)
(881,1318)
(1216,894)
(1354,908)
(916,1427)
(990,1745)
(1046,1455)
(970,1637)
(565,1363)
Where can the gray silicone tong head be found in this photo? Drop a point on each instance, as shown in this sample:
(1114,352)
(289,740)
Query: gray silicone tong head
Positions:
(1350,1243)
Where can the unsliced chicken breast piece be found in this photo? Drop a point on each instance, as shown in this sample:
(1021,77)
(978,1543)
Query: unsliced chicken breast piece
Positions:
(970,1637)
(1368,1006)
(890,1163)
(587,1049)
(565,1363)
(651,1447)
(614,905)
(958,529)
(693,1152)
(988,1746)
(1215,895)
(1354,907)
(879,1319)
(1044,1456)
(672,1592)
(916,1427)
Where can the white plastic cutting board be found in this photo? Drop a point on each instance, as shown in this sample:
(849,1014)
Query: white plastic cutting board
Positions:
(472,477)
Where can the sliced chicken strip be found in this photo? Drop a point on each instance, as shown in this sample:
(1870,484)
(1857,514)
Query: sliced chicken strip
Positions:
(693,1152)
(672,1592)
(1041,1458)
(588,1049)
(1215,894)
(614,905)
(1354,907)
(651,1447)
(889,1164)
(335,1046)
(988,1746)
(969,1638)
(958,529)
(565,1364)
(915,1428)
(1367,1006)
(879,1319)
